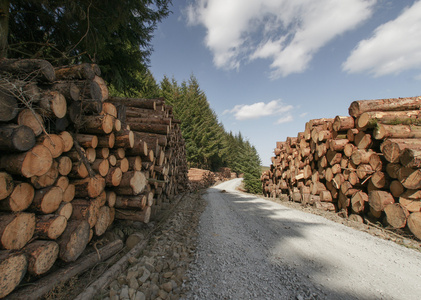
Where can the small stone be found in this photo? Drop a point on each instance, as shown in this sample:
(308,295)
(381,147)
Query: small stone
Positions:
(145,275)
(154,278)
(133,260)
(122,279)
(116,297)
(167,286)
(163,294)
(149,267)
(133,283)
(114,285)
(132,292)
(132,274)
(113,293)
(124,293)
(139,296)
(168,274)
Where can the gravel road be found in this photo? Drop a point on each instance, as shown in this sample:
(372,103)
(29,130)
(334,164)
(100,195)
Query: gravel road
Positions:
(252,248)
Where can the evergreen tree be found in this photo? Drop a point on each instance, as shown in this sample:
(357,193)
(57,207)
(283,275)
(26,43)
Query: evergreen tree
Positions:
(114,34)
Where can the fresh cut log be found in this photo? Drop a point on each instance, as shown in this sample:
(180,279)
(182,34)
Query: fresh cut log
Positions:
(13,266)
(6,185)
(358,107)
(379,199)
(139,216)
(73,240)
(16,230)
(47,200)
(50,226)
(396,215)
(20,199)
(414,224)
(41,256)
(16,138)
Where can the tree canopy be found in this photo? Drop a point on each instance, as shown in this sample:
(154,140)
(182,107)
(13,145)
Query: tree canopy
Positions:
(116,35)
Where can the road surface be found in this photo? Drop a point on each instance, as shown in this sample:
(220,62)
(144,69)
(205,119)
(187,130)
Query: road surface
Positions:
(252,248)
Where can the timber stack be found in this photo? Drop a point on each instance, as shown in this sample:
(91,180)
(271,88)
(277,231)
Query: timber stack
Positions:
(73,160)
(365,166)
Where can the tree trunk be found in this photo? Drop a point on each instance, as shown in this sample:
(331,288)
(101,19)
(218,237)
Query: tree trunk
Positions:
(392,148)
(124,139)
(361,156)
(136,102)
(150,128)
(31,119)
(412,180)
(47,179)
(379,199)
(64,166)
(86,140)
(13,266)
(41,256)
(358,107)
(89,187)
(135,163)
(16,138)
(47,200)
(65,209)
(16,230)
(36,161)
(132,183)
(411,158)
(411,205)
(38,69)
(4,30)
(85,210)
(68,89)
(9,106)
(103,220)
(75,72)
(113,177)
(73,240)
(131,202)
(97,124)
(358,201)
(343,123)
(139,216)
(53,104)
(20,198)
(372,118)
(383,131)
(50,226)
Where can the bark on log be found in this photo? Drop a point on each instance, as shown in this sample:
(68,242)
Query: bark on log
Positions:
(372,118)
(38,69)
(16,138)
(411,158)
(74,240)
(358,201)
(410,205)
(136,102)
(106,141)
(47,200)
(86,140)
(150,128)
(413,180)
(9,106)
(113,177)
(392,148)
(101,166)
(89,187)
(85,210)
(103,220)
(16,230)
(64,165)
(383,131)
(139,216)
(6,185)
(132,183)
(343,123)
(68,89)
(47,179)
(65,209)
(53,104)
(358,107)
(13,266)
(20,198)
(50,226)
(131,202)
(41,256)
(36,161)
(97,124)
(53,142)
(78,72)
(124,139)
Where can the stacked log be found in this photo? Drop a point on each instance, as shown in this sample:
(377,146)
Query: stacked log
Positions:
(200,178)
(73,160)
(365,166)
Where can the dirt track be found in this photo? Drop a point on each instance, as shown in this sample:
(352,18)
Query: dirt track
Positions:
(252,248)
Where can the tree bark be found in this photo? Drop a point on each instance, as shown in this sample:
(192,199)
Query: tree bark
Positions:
(20,198)
(139,216)
(75,72)
(113,177)
(372,118)
(47,200)
(358,107)
(50,226)
(85,210)
(89,187)
(383,131)
(16,138)
(9,106)
(132,183)
(103,220)
(31,119)
(343,123)
(379,199)
(74,240)
(41,256)
(6,185)
(392,148)
(38,69)
(396,215)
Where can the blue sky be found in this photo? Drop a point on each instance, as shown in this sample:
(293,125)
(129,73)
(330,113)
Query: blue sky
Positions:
(269,66)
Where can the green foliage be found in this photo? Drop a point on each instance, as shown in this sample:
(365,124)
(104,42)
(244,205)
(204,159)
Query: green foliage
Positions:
(114,34)
(208,146)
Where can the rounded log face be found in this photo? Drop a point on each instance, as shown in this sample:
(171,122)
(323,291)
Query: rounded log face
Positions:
(12,270)
(21,197)
(6,185)
(16,230)
(41,256)
(37,161)
(414,224)
(74,240)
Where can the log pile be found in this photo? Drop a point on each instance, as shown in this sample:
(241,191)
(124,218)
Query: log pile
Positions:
(72,160)
(365,166)
(200,178)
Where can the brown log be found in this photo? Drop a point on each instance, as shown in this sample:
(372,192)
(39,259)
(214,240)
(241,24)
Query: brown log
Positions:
(112,160)
(53,142)
(65,209)
(411,181)
(85,210)
(68,89)
(20,198)
(50,226)
(333,157)
(78,72)
(325,206)
(392,148)
(363,140)
(16,138)
(131,202)
(16,230)
(102,152)
(325,196)
(113,177)
(9,106)
(101,199)
(6,185)
(349,149)
(136,102)
(152,138)
(62,182)
(109,109)
(41,256)
(117,125)
(69,193)
(101,166)
(383,131)
(144,112)
(13,267)
(149,120)
(119,153)
(78,170)
(89,187)
(361,156)
(132,183)
(123,164)
(380,180)
(124,139)
(106,141)
(53,104)
(47,200)
(47,179)
(67,140)
(97,124)
(36,161)
(73,240)
(338,145)
(150,128)
(392,170)
(38,69)
(396,215)
(411,205)
(103,220)
(103,87)
(90,89)
(411,158)
(33,120)
(358,107)
(414,224)
(364,170)
(86,140)
(372,118)
(396,188)
(64,165)
(139,216)
(111,197)
(376,162)
(343,123)
(379,199)
(351,133)
(358,201)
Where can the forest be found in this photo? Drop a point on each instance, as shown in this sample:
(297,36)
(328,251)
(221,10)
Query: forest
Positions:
(118,37)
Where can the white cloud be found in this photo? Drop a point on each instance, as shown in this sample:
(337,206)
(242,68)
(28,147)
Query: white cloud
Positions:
(286,119)
(287,32)
(259,109)
(394,47)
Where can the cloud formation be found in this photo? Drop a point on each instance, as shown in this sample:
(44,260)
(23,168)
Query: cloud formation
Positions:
(260,109)
(287,32)
(394,46)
